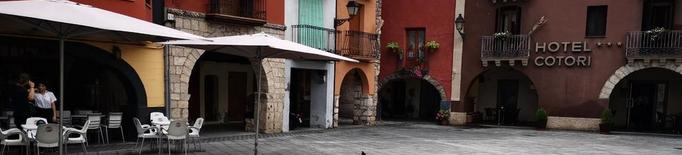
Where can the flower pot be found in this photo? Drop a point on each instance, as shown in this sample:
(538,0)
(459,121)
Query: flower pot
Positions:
(541,124)
(443,122)
(604,128)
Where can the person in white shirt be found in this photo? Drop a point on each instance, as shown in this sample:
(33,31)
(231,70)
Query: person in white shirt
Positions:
(45,103)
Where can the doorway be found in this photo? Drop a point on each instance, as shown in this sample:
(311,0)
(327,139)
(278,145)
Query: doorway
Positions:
(507,100)
(409,99)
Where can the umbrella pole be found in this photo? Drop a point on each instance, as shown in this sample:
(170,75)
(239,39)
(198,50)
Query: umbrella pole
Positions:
(61,92)
(258,92)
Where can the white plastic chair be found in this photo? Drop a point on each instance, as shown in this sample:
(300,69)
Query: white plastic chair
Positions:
(177,131)
(81,139)
(144,131)
(113,122)
(154,115)
(47,136)
(194,131)
(34,120)
(21,141)
(95,120)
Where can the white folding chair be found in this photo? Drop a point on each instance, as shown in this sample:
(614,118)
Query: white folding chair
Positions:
(113,122)
(95,120)
(80,139)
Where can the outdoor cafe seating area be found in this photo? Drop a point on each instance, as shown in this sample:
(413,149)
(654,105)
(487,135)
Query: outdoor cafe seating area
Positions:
(80,127)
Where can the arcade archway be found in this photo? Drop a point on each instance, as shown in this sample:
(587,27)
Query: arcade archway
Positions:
(95,79)
(353,94)
(503,96)
(222,89)
(409,99)
(648,100)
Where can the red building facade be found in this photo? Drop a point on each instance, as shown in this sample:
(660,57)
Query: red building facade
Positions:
(415,80)
(138,9)
(572,59)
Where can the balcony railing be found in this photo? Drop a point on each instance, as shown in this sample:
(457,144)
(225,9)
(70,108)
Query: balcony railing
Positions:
(511,48)
(314,36)
(664,45)
(243,11)
(358,45)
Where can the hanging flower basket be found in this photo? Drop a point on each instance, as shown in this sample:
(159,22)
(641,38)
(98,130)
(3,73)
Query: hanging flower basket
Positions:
(395,48)
(432,45)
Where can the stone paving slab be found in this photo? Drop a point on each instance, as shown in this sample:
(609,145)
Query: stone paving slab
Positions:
(419,138)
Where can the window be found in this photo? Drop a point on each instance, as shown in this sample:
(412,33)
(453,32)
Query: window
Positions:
(508,20)
(658,13)
(596,21)
(415,42)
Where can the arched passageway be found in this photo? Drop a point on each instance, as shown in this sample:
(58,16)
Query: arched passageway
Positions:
(95,80)
(648,100)
(222,89)
(353,93)
(503,96)
(409,99)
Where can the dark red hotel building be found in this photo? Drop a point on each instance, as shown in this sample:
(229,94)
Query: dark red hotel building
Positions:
(573,59)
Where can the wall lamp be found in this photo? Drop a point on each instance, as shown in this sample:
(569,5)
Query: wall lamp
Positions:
(459,25)
(353,8)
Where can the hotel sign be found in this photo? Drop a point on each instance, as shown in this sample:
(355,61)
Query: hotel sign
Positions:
(569,54)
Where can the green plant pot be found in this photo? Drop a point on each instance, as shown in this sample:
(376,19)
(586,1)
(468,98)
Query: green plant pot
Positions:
(443,122)
(541,124)
(604,128)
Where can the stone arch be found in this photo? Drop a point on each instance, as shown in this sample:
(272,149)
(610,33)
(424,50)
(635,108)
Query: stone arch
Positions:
(182,61)
(363,79)
(626,70)
(411,74)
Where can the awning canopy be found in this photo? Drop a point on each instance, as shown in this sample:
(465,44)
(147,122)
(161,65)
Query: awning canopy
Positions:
(54,18)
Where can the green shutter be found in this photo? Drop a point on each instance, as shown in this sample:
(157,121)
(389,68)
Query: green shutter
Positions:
(310,13)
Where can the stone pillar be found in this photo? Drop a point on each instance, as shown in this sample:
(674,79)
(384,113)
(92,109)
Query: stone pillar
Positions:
(336,111)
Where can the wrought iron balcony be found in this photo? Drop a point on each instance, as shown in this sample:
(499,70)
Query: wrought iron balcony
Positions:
(510,48)
(654,46)
(314,36)
(250,12)
(358,45)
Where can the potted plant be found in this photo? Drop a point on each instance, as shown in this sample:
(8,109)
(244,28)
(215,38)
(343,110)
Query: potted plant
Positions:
(606,121)
(502,35)
(432,45)
(442,116)
(654,33)
(395,48)
(541,119)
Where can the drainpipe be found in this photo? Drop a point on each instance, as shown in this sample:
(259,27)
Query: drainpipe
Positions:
(166,80)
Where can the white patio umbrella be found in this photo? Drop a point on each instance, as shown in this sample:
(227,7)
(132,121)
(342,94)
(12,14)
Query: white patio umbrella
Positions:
(61,19)
(259,46)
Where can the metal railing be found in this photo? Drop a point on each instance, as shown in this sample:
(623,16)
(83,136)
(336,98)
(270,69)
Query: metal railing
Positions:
(358,44)
(663,45)
(314,36)
(514,47)
(241,8)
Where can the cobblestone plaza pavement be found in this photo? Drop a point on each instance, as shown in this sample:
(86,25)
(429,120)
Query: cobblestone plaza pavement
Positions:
(422,138)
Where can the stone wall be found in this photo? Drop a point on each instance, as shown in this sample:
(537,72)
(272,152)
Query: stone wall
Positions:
(182,60)
(573,123)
